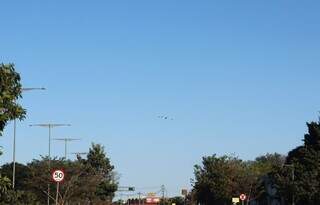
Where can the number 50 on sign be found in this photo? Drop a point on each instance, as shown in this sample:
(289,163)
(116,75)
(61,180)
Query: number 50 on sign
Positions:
(57,175)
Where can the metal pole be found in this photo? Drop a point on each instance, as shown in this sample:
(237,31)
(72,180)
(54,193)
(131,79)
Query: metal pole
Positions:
(49,165)
(49,144)
(57,194)
(49,126)
(14,153)
(66,140)
(65,149)
(162,191)
(14,140)
(139,198)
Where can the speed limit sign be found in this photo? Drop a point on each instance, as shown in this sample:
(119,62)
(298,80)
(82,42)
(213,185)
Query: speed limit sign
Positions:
(57,175)
(243,197)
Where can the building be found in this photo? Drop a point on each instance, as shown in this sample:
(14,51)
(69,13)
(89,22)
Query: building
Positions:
(150,200)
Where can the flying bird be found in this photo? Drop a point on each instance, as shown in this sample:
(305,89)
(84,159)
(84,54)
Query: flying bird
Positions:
(165,117)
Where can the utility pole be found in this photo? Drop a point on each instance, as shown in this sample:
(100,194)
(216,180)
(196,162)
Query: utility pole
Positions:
(14,140)
(66,140)
(49,126)
(139,194)
(163,189)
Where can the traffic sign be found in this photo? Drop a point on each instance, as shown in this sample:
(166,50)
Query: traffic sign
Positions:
(152,200)
(243,197)
(235,200)
(57,175)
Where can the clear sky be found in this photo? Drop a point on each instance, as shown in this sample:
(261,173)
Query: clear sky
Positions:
(237,77)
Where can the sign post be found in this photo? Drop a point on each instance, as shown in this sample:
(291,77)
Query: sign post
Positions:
(57,194)
(243,197)
(57,176)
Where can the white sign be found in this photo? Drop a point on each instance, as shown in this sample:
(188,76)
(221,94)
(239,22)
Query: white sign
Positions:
(235,200)
(58,175)
(243,197)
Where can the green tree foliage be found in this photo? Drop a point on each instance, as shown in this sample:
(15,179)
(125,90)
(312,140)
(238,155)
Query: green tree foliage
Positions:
(100,165)
(22,173)
(87,181)
(219,179)
(18,198)
(178,200)
(304,163)
(262,183)
(10,92)
(4,185)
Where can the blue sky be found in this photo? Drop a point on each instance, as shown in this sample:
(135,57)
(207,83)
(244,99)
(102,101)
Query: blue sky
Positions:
(237,76)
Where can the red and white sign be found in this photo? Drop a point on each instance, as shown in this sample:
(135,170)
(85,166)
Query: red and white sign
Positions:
(243,197)
(57,175)
(152,200)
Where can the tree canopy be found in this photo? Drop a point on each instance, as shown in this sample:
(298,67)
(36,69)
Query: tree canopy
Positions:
(300,179)
(10,92)
(219,179)
(85,182)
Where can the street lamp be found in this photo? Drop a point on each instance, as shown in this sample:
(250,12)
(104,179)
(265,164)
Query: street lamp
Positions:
(292,177)
(14,140)
(78,154)
(49,126)
(66,140)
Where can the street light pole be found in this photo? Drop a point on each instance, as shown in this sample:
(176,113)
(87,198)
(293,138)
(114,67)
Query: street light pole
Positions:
(66,140)
(14,140)
(14,154)
(49,126)
(78,154)
(139,198)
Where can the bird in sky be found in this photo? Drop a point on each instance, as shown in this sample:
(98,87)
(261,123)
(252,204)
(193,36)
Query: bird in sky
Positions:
(165,117)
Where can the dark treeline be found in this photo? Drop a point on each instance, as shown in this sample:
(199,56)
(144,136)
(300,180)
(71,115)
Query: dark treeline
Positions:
(272,179)
(89,180)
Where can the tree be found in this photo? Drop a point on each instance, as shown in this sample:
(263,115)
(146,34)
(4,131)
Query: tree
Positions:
(5,185)
(99,164)
(219,179)
(178,200)
(21,175)
(87,181)
(263,188)
(10,92)
(304,164)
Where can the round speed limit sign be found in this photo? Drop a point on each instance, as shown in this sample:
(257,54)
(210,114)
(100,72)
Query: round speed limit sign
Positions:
(57,175)
(243,197)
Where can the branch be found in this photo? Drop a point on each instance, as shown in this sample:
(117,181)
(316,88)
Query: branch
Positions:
(46,193)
